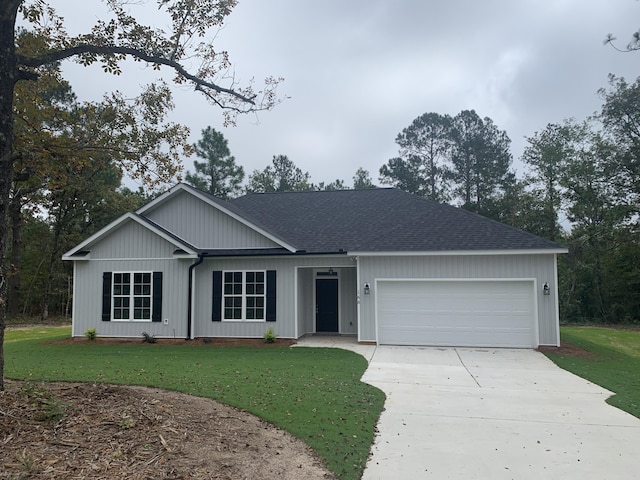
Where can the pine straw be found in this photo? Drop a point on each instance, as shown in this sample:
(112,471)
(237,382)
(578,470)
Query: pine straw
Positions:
(94,431)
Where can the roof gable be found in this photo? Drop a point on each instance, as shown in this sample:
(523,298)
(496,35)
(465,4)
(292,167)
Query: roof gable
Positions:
(81,251)
(209,223)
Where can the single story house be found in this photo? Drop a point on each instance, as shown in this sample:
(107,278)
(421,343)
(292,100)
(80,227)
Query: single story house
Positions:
(381,264)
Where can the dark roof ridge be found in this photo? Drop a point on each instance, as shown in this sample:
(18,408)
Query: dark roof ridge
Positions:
(382,219)
(464,211)
(314,191)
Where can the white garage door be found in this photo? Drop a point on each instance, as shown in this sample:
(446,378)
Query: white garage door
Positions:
(456,313)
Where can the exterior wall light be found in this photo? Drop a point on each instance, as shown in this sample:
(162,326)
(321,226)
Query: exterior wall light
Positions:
(546,290)
(367,289)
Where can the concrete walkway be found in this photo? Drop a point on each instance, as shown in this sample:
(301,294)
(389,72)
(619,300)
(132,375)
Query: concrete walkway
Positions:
(346,342)
(463,413)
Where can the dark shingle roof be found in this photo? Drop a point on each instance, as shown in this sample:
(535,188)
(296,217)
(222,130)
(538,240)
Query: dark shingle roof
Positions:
(379,220)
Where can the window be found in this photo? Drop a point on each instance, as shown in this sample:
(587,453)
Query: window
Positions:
(244,296)
(247,295)
(132,296)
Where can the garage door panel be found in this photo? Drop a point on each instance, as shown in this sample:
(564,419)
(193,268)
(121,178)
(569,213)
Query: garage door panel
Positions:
(460,313)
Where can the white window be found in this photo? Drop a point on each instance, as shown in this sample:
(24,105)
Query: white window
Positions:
(244,295)
(132,294)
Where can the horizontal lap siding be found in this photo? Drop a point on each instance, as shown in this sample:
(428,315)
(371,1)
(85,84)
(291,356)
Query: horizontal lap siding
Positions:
(285,324)
(539,267)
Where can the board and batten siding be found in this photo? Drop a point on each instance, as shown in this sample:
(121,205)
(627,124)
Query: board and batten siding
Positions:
(132,240)
(306,308)
(348,301)
(538,267)
(87,298)
(131,248)
(203,226)
(286,291)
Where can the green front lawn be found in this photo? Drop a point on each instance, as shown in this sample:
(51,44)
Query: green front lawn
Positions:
(313,393)
(613,362)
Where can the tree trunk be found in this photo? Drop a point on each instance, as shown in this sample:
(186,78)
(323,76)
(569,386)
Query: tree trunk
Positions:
(8,78)
(13,293)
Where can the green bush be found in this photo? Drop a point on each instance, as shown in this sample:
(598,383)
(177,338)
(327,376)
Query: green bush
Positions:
(269,336)
(91,334)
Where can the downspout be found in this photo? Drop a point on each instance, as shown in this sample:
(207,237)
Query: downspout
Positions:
(190,294)
(358,296)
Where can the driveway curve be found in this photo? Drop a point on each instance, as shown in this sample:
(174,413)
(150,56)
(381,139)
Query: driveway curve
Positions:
(478,413)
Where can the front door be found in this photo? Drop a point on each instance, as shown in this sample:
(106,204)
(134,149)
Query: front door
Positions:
(327,305)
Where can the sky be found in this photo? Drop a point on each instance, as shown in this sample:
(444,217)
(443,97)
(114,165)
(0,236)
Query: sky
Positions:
(356,72)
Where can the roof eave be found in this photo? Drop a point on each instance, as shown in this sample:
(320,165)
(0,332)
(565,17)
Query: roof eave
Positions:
(530,251)
(104,232)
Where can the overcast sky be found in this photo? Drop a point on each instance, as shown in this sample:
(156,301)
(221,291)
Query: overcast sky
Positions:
(358,71)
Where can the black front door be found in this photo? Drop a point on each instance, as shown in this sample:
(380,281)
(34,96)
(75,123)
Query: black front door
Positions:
(327,305)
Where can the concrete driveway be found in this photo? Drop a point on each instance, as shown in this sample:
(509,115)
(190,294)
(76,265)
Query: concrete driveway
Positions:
(478,413)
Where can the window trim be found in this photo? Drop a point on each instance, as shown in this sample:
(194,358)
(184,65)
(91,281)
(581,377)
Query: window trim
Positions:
(244,296)
(132,297)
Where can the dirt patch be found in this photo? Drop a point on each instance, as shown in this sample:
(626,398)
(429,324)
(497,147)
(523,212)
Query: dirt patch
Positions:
(96,431)
(566,349)
(232,342)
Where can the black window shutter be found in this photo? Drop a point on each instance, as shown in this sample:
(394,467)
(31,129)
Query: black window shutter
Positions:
(271,296)
(157,297)
(106,296)
(216,313)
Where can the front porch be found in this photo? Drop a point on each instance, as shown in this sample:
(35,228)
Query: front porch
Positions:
(327,300)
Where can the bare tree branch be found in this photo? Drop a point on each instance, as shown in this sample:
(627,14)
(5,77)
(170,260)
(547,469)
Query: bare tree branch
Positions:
(82,49)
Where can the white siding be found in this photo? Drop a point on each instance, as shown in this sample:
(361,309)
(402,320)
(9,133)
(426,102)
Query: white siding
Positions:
(538,267)
(205,227)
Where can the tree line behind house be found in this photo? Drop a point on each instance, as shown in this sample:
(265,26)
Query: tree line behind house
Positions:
(580,185)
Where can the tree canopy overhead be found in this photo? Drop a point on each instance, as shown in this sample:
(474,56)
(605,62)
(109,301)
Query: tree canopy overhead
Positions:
(183,44)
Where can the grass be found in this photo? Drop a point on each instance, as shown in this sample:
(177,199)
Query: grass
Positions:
(614,363)
(313,393)
(36,333)
(31,321)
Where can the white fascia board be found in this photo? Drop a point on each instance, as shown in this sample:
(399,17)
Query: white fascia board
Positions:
(161,199)
(119,222)
(540,251)
(182,187)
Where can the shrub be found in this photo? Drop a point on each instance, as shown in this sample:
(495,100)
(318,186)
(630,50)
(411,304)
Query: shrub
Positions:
(269,336)
(91,334)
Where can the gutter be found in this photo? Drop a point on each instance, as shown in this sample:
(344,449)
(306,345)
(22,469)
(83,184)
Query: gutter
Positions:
(190,294)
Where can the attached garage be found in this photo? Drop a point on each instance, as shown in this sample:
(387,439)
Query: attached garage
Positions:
(473,313)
